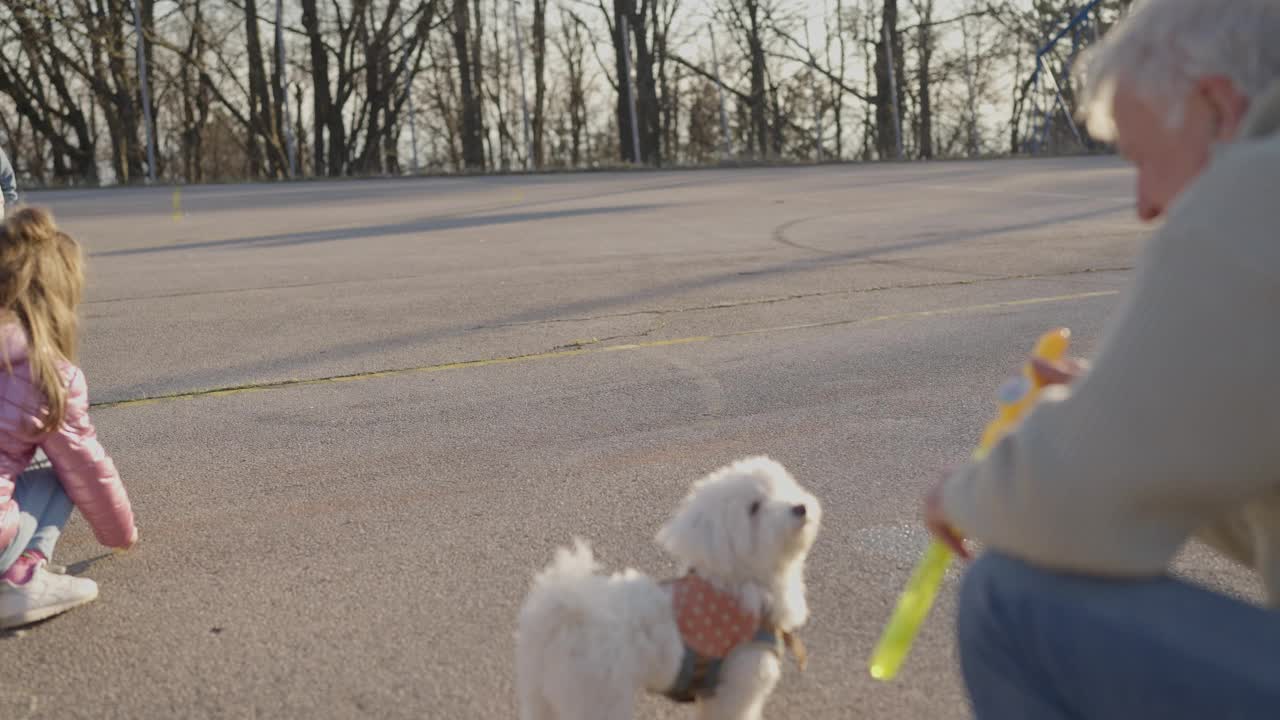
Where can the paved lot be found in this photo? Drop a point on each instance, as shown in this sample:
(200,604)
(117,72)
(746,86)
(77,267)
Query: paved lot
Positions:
(355,417)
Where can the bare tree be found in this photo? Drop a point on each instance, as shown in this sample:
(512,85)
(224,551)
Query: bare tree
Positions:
(114,83)
(539,81)
(469,73)
(40,79)
(642,25)
(322,102)
(924,58)
(667,98)
(572,44)
(443,98)
(749,21)
(932,78)
(393,58)
(266,142)
(499,93)
(889,70)
(622,65)
(639,58)
(837,36)
(196,95)
(703,123)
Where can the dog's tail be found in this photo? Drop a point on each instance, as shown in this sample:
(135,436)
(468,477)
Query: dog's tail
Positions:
(570,564)
(560,599)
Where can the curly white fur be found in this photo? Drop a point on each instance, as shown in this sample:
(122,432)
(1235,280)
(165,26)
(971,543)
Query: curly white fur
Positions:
(589,643)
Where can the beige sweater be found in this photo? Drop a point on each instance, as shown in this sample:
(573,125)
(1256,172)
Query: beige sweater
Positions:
(1175,431)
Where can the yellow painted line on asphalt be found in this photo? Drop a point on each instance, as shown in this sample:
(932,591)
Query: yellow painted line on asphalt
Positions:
(586,350)
(963,309)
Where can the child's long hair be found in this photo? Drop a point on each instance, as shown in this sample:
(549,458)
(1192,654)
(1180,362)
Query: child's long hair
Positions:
(41,280)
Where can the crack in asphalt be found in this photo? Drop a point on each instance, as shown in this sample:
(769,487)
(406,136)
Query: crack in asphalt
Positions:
(806,296)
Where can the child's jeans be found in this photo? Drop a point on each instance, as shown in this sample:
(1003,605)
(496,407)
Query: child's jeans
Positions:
(1050,646)
(44,509)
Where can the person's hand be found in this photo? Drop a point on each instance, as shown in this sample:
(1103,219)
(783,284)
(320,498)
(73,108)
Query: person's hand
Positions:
(1058,372)
(1047,372)
(937,523)
(133,540)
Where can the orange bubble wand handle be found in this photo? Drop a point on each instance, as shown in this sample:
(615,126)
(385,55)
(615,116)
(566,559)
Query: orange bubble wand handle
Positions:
(1016,396)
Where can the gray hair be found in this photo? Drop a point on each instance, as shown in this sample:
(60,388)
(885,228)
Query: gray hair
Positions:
(1164,46)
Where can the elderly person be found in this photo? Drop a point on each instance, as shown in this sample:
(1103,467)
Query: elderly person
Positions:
(1171,433)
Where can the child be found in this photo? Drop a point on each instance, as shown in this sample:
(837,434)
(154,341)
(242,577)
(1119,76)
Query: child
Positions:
(44,406)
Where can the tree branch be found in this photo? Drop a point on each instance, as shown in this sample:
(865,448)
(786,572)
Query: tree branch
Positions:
(813,62)
(745,97)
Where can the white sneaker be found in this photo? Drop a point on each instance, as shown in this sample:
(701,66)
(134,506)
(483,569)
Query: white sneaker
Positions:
(43,596)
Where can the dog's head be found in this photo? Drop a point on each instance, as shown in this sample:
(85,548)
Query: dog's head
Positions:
(747,522)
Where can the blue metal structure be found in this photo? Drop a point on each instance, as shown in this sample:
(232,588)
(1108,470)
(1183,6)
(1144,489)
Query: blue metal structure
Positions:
(1047,95)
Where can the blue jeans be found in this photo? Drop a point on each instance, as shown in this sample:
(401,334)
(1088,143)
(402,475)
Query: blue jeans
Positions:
(44,509)
(1047,646)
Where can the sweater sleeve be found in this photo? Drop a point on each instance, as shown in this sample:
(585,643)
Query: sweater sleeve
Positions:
(87,473)
(1176,422)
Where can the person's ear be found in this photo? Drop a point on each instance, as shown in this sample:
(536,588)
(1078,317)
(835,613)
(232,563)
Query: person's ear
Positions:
(1226,103)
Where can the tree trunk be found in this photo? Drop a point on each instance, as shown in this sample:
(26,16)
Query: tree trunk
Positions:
(147,10)
(265,148)
(573,49)
(477,78)
(300,132)
(334,121)
(120,106)
(670,112)
(279,98)
(888,82)
(779,124)
(506,142)
(377,87)
(539,80)
(621,13)
(759,98)
(924,139)
(837,93)
(195,100)
(472,110)
(319,83)
(869,54)
(647,110)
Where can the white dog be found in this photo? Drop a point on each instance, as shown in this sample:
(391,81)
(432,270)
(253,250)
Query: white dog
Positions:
(588,643)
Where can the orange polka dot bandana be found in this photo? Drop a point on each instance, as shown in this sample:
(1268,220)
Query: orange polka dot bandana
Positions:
(710,621)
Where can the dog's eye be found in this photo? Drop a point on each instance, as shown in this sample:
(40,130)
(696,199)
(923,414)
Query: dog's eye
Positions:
(755,507)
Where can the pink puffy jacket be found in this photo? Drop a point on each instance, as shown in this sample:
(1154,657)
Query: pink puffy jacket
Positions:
(83,467)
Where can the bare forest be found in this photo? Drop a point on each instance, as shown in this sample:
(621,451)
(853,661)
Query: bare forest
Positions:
(123,91)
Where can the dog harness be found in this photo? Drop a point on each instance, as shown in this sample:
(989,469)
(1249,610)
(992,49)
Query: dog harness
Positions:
(712,624)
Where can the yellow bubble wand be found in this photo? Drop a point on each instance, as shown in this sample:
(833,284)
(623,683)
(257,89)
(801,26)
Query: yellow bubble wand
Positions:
(917,598)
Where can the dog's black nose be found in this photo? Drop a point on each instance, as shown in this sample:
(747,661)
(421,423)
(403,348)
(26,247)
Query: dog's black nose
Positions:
(799,511)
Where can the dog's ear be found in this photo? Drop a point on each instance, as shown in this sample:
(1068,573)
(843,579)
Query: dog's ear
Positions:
(686,535)
(674,535)
(695,535)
